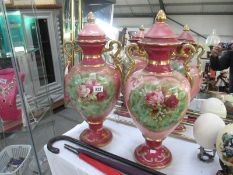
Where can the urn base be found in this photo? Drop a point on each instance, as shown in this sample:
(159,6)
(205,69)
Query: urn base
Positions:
(122,112)
(156,158)
(180,128)
(96,137)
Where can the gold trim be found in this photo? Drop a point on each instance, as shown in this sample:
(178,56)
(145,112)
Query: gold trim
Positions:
(103,145)
(160,44)
(159,74)
(99,145)
(161,62)
(187,58)
(199,64)
(159,167)
(186,28)
(157,140)
(94,123)
(129,53)
(92,56)
(161,16)
(116,55)
(91,41)
(95,65)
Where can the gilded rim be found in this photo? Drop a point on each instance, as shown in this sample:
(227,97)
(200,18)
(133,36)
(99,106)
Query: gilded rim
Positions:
(95,65)
(92,56)
(161,62)
(99,145)
(159,44)
(159,167)
(92,41)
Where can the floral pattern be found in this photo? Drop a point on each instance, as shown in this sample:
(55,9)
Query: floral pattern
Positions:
(86,91)
(85,99)
(158,106)
(171,101)
(154,99)
(157,100)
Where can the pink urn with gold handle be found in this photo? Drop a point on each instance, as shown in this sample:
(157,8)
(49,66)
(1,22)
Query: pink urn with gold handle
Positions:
(93,86)
(157,97)
(138,55)
(194,72)
(182,64)
(137,52)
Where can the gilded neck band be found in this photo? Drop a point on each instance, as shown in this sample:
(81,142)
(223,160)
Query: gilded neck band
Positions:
(161,62)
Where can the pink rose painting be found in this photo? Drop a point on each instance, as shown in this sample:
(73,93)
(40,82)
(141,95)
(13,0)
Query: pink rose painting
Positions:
(101,95)
(154,98)
(90,84)
(171,102)
(86,90)
(82,91)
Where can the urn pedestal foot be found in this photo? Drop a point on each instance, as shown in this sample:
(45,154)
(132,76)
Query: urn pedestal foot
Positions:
(122,112)
(153,155)
(96,135)
(180,128)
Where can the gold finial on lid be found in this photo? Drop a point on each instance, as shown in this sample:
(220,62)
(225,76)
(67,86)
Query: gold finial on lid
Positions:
(186,28)
(161,16)
(141,28)
(91,18)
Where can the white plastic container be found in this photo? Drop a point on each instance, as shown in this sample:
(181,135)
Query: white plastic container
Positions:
(14,151)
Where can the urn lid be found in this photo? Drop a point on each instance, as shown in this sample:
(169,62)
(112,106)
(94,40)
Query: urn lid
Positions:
(186,36)
(138,35)
(160,33)
(91,31)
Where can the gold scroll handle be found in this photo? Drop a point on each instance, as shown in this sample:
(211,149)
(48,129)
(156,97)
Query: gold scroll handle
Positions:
(69,50)
(199,65)
(188,59)
(116,55)
(129,52)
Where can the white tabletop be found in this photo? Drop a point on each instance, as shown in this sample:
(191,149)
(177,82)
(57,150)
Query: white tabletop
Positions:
(125,140)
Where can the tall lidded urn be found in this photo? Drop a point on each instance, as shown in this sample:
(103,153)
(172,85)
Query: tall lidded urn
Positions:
(136,52)
(93,86)
(181,64)
(157,97)
(138,55)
